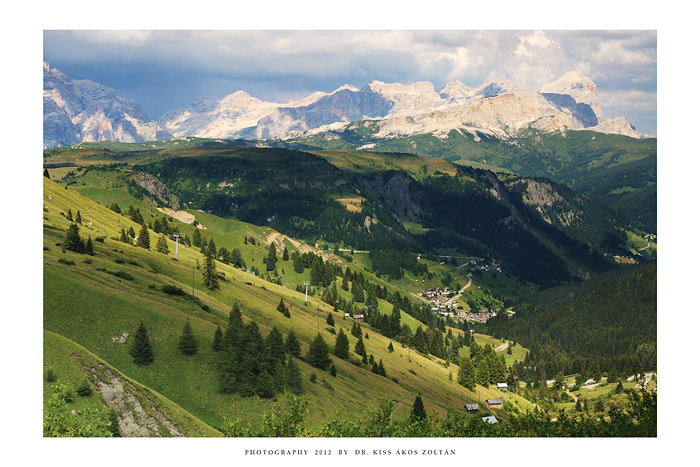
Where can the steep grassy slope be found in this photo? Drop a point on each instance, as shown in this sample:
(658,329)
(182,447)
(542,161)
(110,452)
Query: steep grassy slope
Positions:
(91,299)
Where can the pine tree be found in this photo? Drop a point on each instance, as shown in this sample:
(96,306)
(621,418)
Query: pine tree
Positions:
(141,349)
(131,232)
(69,216)
(197,238)
(333,371)
(209,274)
(465,376)
(162,245)
(123,237)
(342,345)
(73,242)
(88,246)
(382,370)
(418,412)
(360,348)
(282,308)
(46,174)
(285,254)
(292,344)
(330,320)
(275,345)
(218,343)
(391,347)
(318,353)
(271,258)
(144,240)
(294,378)
(188,343)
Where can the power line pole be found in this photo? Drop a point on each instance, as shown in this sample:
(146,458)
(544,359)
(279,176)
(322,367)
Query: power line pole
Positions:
(177,237)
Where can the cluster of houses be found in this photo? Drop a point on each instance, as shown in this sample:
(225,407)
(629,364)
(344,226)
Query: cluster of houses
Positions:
(482,265)
(440,299)
(490,403)
(480,316)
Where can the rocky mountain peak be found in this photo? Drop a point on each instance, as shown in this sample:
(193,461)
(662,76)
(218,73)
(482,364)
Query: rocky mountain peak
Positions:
(579,87)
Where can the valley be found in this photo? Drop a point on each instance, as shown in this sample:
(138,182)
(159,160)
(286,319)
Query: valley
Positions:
(368,233)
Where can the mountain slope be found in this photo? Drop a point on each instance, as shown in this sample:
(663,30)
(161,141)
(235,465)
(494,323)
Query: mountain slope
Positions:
(82,110)
(89,299)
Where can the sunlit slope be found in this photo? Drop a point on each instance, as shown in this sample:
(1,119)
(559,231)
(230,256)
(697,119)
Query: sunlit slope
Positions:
(88,304)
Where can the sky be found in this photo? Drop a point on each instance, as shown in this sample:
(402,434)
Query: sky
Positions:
(164,69)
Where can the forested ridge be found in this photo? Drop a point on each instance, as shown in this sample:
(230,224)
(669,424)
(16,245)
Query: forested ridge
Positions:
(610,328)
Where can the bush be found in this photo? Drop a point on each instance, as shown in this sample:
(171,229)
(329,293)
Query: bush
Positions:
(66,261)
(173,290)
(84,389)
(50,376)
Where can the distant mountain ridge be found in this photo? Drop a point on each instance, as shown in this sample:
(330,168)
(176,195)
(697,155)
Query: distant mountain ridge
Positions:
(83,110)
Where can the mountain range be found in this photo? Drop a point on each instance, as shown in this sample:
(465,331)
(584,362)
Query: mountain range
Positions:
(82,110)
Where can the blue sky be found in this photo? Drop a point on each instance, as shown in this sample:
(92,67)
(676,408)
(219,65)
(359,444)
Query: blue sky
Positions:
(164,69)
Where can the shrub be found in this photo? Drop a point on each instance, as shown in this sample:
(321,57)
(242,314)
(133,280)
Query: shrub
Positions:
(84,389)
(66,261)
(50,376)
(173,290)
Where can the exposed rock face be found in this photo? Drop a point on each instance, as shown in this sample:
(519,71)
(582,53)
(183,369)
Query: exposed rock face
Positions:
(157,189)
(86,111)
(82,110)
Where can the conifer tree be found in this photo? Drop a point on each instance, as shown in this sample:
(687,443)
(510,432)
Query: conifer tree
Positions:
(209,273)
(330,320)
(123,237)
(218,343)
(466,376)
(88,246)
(144,240)
(418,412)
(275,345)
(46,174)
(294,378)
(282,308)
(197,238)
(318,353)
(333,370)
(382,370)
(360,348)
(78,219)
(131,232)
(285,254)
(391,347)
(271,258)
(188,343)
(73,242)
(141,349)
(342,345)
(292,344)
(162,245)
(69,216)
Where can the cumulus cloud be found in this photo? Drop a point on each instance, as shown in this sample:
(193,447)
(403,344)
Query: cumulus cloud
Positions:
(280,64)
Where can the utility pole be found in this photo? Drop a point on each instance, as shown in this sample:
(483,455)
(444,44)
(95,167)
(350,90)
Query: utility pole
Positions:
(306,297)
(192,289)
(177,237)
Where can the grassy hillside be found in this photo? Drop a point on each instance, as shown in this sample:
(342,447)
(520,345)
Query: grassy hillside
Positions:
(89,300)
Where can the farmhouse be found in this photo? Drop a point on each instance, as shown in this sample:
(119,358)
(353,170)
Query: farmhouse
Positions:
(502,387)
(494,403)
(471,408)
